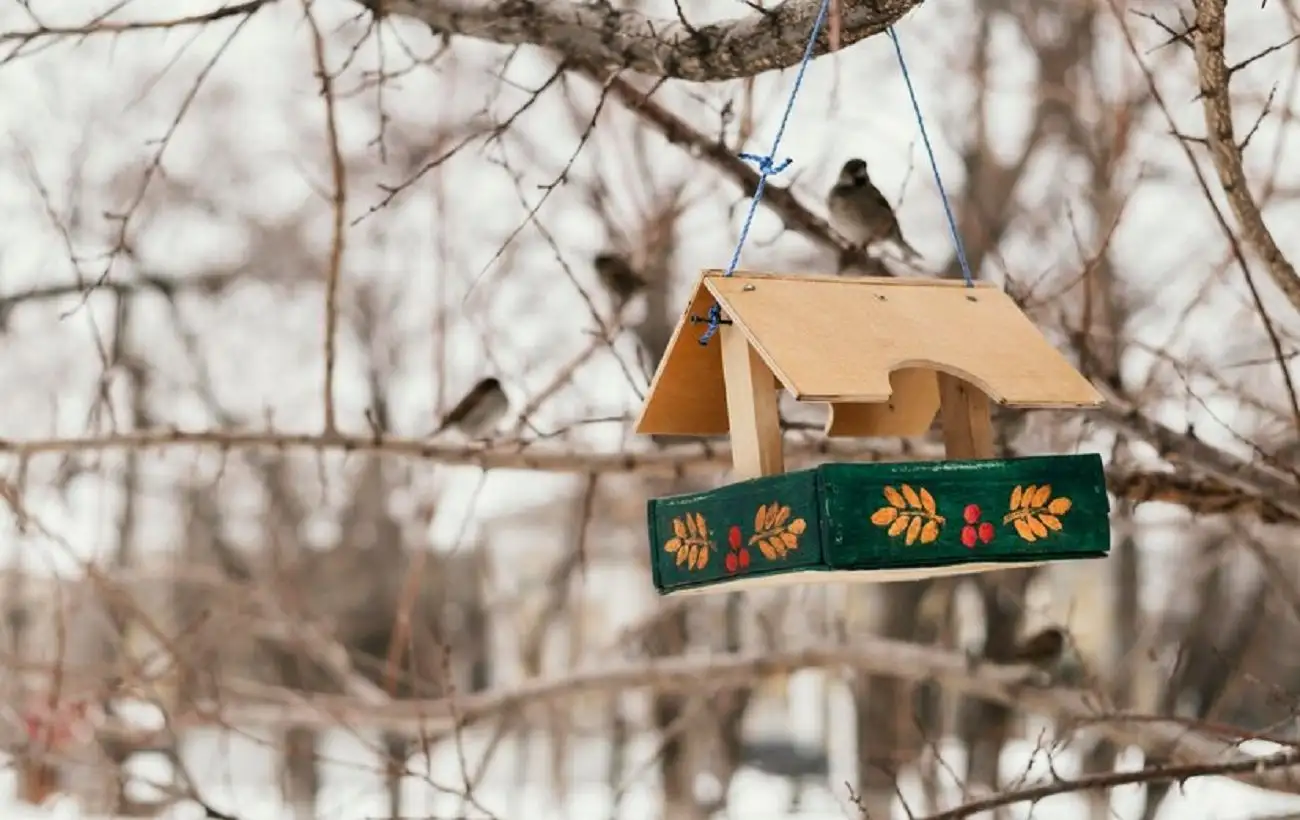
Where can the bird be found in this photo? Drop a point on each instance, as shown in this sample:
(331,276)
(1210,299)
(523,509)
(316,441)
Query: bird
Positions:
(480,411)
(619,277)
(1051,650)
(862,214)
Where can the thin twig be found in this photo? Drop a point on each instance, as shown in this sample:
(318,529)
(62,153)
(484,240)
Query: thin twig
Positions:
(339,203)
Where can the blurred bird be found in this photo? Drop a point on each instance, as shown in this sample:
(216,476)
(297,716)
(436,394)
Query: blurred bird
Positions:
(1053,651)
(479,412)
(618,277)
(1050,651)
(862,214)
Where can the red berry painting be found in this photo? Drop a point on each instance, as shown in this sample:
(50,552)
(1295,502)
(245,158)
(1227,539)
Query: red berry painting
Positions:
(975,531)
(738,556)
(968,536)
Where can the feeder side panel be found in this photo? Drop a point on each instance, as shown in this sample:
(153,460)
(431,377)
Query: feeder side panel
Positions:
(752,528)
(944,513)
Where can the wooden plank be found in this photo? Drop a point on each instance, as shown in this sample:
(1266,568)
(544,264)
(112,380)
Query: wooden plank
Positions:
(956,517)
(912,405)
(752,412)
(686,395)
(839,340)
(966,420)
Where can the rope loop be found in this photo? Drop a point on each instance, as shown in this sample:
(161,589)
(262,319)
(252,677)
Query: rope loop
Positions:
(957,243)
(766,163)
(768,166)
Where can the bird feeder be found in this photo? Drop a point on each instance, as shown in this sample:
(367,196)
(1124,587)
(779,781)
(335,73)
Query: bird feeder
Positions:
(887,355)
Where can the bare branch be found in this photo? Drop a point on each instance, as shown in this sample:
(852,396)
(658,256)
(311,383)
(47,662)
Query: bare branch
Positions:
(1149,774)
(601,34)
(1214,77)
(100,26)
(716,672)
(781,201)
(504,455)
(338,204)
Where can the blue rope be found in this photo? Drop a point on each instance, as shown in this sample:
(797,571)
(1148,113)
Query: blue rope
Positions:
(767,166)
(934,165)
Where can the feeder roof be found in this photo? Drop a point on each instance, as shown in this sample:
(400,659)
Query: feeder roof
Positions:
(869,346)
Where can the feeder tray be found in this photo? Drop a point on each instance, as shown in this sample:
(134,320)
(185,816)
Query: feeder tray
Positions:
(887,355)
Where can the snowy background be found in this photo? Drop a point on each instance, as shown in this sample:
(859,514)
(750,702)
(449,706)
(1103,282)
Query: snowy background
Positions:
(242,187)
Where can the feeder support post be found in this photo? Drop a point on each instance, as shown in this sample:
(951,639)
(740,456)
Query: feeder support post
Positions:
(752,414)
(964,417)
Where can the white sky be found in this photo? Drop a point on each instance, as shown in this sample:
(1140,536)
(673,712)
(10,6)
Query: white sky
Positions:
(252,146)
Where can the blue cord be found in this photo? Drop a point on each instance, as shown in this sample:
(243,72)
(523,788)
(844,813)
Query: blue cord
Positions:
(767,166)
(934,165)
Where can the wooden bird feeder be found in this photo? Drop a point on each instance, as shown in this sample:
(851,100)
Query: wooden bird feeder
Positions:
(887,355)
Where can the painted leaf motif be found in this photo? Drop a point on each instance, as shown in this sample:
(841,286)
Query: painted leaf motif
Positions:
(773,512)
(912,513)
(930,532)
(913,531)
(1027,498)
(913,500)
(884,516)
(927,501)
(690,545)
(1034,513)
(782,516)
(1023,530)
(775,534)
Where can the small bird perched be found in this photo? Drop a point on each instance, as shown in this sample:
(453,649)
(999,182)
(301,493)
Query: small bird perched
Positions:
(1050,651)
(479,412)
(618,277)
(862,214)
(1053,651)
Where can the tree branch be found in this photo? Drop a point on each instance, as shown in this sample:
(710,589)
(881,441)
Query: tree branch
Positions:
(1185,450)
(599,34)
(706,675)
(504,455)
(1202,496)
(1109,780)
(1224,150)
(677,131)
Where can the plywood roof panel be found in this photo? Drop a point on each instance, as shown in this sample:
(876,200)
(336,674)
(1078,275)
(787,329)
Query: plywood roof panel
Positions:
(839,339)
(687,396)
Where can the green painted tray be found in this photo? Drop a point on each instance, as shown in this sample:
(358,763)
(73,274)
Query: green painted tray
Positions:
(882,522)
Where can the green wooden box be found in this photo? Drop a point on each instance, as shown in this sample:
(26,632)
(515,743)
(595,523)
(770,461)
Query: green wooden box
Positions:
(874,521)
